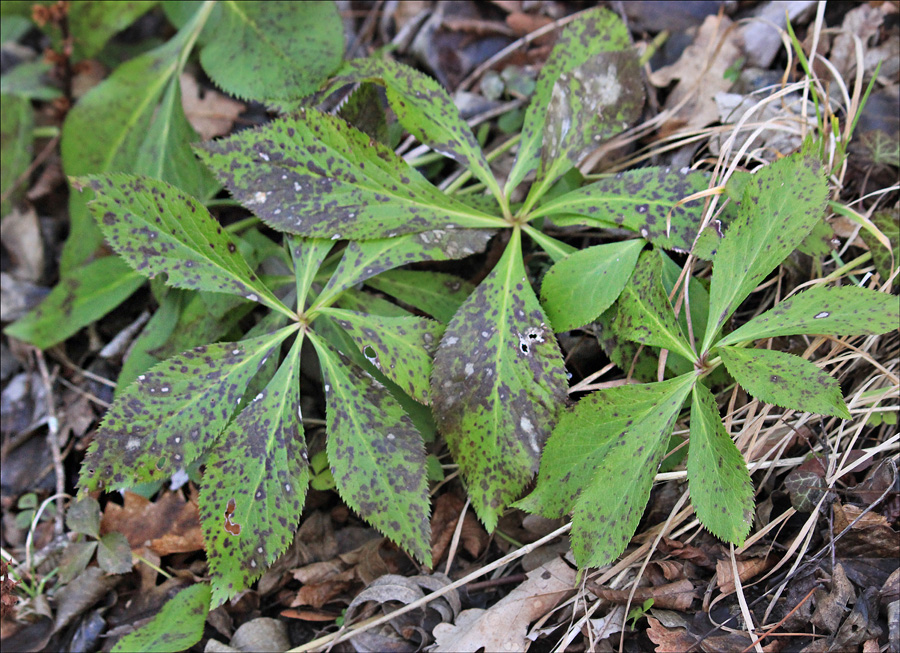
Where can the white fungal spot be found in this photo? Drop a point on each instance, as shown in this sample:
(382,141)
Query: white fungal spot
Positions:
(526,424)
(452,340)
(142,377)
(235,352)
(253,563)
(297,187)
(470,369)
(336,237)
(644,232)
(258,397)
(259,549)
(485,334)
(165,388)
(263,156)
(133,443)
(259,197)
(177,439)
(819,316)
(287,487)
(252,297)
(390,436)
(327,388)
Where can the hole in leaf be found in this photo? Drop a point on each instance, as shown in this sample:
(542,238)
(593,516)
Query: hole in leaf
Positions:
(230,526)
(369,353)
(524,347)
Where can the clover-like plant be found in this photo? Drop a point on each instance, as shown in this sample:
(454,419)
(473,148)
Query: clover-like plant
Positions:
(601,459)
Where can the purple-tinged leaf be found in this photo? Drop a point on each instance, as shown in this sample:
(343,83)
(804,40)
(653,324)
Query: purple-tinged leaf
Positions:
(316,176)
(844,311)
(158,229)
(785,380)
(401,348)
(498,385)
(721,490)
(255,484)
(377,456)
(172,414)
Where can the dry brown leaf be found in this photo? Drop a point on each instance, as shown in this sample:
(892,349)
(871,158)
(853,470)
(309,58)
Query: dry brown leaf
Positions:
(211,115)
(832,606)
(870,537)
(671,596)
(669,640)
(21,236)
(504,625)
(701,74)
(747,569)
(444,520)
(165,526)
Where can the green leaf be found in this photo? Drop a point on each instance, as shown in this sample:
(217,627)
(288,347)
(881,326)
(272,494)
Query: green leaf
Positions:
(785,380)
(498,384)
(843,310)
(425,109)
(16,126)
(436,293)
(377,456)
(601,460)
(75,559)
(364,260)
(107,128)
(593,33)
(83,516)
(177,627)
(781,205)
(82,297)
(645,201)
(885,260)
(141,355)
(173,413)
(30,81)
(114,554)
(637,361)
(644,313)
(93,22)
(158,228)
(365,109)
(307,254)
(400,347)
(581,286)
(255,484)
(274,50)
(317,176)
(721,490)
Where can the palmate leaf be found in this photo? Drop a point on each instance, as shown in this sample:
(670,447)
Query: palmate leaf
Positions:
(436,293)
(401,348)
(644,313)
(367,259)
(317,176)
(158,228)
(425,109)
(274,50)
(173,413)
(255,484)
(498,384)
(79,299)
(645,201)
(176,627)
(782,203)
(721,490)
(377,456)
(594,32)
(785,380)
(844,310)
(581,286)
(601,460)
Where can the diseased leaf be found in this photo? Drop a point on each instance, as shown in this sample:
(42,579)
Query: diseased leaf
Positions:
(274,50)
(83,297)
(158,228)
(593,33)
(364,302)
(425,109)
(16,127)
(364,260)
(107,128)
(843,310)
(307,254)
(177,627)
(698,297)
(721,490)
(173,413)
(885,260)
(498,384)
(366,110)
(436,293)
(586,434)
(781,205)
(637,361)
(581,286)
(645,201)
(644,313)
(93,23)
(400,347)
(377,456)
(589,104)
(785,380)
(317,176)
(255,484)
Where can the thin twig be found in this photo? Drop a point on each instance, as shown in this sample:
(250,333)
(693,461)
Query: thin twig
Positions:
(53,441)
